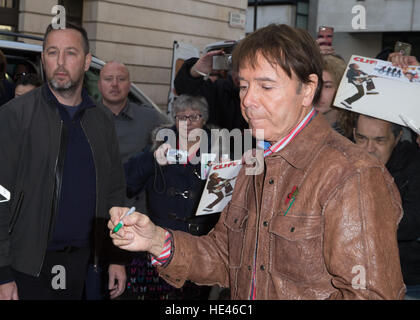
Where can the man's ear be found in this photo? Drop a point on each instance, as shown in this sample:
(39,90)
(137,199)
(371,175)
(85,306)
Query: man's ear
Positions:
(309,90)
(88,60)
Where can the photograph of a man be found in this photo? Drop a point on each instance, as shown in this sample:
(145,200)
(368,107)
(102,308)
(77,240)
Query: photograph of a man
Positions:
(357,77)
(216,185)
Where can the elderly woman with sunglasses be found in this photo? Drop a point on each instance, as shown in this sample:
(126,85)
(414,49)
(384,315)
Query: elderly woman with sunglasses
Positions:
(174,183)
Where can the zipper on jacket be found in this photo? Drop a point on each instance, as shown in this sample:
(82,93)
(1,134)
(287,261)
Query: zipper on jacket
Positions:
(52,195)
(95,256)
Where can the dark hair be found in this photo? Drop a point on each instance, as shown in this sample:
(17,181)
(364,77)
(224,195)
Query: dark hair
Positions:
(70,25)
(395,128)
(29,79)
(293,49)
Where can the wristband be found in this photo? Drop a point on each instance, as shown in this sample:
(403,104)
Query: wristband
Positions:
(166,252)
(199,72)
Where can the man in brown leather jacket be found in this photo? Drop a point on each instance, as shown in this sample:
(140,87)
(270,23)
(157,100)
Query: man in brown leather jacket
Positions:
(319,222)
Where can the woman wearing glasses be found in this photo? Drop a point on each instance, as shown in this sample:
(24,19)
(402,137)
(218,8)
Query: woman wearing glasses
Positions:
(170,173)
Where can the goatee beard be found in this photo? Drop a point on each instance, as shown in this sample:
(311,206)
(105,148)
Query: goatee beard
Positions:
(67,89)
(57,87)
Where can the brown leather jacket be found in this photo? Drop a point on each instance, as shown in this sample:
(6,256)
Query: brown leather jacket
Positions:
(337,241)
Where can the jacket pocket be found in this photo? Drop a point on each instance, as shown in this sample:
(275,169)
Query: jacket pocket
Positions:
(296,247)
(16,213)
(235,223)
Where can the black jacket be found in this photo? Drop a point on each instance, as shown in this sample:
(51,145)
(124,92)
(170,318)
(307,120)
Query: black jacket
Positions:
(404,166)
(173,191)
(222,97)
(31,135)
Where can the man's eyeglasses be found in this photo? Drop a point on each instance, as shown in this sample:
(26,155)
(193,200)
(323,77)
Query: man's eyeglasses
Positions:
(192,118)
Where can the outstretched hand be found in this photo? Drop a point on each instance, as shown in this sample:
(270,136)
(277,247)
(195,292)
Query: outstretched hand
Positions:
(138,233)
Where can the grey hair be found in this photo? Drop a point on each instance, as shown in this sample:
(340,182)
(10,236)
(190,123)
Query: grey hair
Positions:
(197,103)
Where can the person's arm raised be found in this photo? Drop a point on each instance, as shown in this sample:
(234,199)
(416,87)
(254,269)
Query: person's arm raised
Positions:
(401,61)
(204,65)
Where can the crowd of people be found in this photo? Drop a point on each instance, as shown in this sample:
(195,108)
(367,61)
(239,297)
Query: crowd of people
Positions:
(338,189)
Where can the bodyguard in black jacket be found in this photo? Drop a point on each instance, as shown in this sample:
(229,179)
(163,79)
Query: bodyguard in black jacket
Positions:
(59,158)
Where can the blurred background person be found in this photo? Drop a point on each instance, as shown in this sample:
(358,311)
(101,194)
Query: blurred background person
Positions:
(133,124)
(222,94)
(21,69)
(7,89)
(332,73)
(27,83)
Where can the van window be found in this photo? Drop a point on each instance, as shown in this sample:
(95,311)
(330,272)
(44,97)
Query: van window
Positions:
(91,84)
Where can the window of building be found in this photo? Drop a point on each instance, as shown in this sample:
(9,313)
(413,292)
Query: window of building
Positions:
(9,12)
(74,10)
(302,12)
(302,9)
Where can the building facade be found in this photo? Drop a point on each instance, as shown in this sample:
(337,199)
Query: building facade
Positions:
(363,27)
(139,33)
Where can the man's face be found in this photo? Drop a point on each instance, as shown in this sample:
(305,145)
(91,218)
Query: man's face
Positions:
(326,34)
(327,94)
(376,137)
(20,71)
(271,101)
(64,59)
(185,126)
(114,83)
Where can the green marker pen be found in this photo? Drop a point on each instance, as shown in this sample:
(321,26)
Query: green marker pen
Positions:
(121,223)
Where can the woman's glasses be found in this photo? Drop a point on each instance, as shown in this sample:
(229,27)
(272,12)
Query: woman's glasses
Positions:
(192,117)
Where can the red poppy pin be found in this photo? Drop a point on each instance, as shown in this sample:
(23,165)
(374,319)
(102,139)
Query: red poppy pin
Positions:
(291,196)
